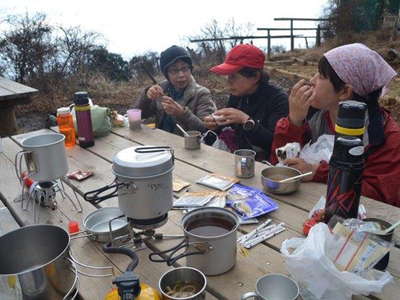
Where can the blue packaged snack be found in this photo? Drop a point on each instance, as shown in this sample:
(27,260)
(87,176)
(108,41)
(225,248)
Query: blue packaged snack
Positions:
(249,202)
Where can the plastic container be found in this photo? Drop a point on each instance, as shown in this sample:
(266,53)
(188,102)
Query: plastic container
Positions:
(66,126)
(83,120)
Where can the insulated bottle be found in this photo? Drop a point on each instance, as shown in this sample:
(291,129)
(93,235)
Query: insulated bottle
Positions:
(83,119)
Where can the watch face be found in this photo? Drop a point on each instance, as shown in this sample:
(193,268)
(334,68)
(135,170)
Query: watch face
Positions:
(248,125)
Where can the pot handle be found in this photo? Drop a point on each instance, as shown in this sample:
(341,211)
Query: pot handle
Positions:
(94,198)
(170,260)
(75,284)
(153,149)
(18,164)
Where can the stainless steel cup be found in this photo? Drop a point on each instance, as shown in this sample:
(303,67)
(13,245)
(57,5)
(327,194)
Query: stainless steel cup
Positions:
(244,163)
(192,141)
(274,287)
(178,276)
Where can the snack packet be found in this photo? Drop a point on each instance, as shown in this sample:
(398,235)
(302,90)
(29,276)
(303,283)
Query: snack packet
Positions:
(194,199)
(179,184)
(218,182)
(249,202)
(79,175)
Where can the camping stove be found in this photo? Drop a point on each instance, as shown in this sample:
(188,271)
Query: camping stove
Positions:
(44,194)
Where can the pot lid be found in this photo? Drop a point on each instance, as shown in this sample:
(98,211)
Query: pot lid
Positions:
(143,161)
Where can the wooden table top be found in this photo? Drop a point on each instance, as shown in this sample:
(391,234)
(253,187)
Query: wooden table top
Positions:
(13,90)
(190,166)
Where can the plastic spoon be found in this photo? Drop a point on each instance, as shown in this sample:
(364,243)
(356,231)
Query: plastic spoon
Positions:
(183,130)
(295,177)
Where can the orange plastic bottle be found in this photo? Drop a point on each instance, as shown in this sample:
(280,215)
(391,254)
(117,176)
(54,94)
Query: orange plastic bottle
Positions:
(66,126)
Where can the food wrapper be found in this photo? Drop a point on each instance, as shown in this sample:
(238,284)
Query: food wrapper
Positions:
(194,199)
(249,202)
(290,150)
(219,200)
(179,184)
(218,182)
(79,175)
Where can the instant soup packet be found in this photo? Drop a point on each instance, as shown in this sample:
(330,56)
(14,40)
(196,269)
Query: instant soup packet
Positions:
(249,202)
(218,182)
(194,199)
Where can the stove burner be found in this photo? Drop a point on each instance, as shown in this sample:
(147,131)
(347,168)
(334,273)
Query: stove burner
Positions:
(44,194)
(148,223)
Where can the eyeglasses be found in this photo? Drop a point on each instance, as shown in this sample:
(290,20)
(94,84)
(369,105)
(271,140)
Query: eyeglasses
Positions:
(175,71)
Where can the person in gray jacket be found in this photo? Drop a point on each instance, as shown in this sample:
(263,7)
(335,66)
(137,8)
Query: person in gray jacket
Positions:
(178,99)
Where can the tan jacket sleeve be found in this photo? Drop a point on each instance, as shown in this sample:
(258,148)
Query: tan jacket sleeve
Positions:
(192,118)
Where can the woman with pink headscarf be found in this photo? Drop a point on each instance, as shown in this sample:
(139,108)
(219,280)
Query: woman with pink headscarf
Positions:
(348,72)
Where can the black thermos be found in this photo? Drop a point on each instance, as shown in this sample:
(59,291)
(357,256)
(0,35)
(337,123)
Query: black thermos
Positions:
(347,162)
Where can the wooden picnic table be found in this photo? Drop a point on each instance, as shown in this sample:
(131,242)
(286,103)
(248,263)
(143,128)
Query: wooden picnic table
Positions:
(11,94)
(190,166)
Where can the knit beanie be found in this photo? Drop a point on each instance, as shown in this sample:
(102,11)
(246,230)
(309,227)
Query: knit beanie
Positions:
(171,55)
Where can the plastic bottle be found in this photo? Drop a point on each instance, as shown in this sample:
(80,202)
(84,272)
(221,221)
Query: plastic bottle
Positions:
(83,119)
(66,126)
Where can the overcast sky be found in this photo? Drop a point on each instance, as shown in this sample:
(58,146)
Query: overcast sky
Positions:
(134,27)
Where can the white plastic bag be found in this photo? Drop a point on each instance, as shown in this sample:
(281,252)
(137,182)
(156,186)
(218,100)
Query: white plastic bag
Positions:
(320,150)
(218,143)
(313,270)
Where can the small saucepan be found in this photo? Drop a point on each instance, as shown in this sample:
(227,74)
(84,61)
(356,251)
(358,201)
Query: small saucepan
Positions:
(271,176)
(97,225)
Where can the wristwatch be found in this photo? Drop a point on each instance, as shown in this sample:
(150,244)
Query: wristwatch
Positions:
(249,124)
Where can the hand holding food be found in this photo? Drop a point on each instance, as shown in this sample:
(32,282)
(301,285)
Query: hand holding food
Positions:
(230,115)
(155,92)
(299,101)
(171,107)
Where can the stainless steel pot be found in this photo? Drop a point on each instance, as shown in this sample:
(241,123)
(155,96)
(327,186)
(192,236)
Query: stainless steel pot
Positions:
(45,157)
(210,241)
(271,176)
(194,279)
(35,264)
(143,184)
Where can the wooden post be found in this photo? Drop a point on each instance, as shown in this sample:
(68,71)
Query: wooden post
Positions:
(8,124)
(269,45)
(318,36)
(291,36)
(305,38)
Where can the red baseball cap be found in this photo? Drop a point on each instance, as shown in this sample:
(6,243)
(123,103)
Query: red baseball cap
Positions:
(240,56)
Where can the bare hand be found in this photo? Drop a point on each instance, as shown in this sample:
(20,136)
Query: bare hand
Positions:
(210,122)
(302,166)
(172,107)
(299,102)
(231,116)
(155,92)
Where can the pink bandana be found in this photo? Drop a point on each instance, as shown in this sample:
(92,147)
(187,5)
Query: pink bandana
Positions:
(364,69)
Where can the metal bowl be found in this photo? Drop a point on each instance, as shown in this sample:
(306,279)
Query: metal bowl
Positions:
(271,176)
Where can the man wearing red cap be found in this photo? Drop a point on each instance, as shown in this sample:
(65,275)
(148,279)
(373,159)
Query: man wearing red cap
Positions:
(254,104)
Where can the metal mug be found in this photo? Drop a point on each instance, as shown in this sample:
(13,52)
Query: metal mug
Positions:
(192,140)
(274,287)
(188,275)
(244,163)
(382,264)
(45,157)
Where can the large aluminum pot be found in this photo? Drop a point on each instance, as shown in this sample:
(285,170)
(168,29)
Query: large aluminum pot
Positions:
(45,157)
(175,284)
(271,176)
(210,241)
(35,264)
(143,184)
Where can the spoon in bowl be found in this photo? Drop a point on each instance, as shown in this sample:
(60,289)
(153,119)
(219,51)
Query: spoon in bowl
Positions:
(295,177)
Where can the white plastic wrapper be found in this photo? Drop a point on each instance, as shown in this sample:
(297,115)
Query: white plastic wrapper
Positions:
(320,150)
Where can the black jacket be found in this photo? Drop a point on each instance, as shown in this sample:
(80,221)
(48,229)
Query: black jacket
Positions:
(266,106)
